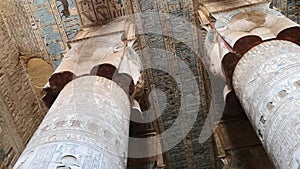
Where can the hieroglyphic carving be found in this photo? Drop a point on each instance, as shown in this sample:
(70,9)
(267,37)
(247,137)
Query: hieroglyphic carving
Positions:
(99,12)
(87,13)
(116,8)
(8,149)
(20,23)
(20,109)
(87,127)
(136,6)
(69,16)
(159,22)
(58,25)
(265,81)
(128,7)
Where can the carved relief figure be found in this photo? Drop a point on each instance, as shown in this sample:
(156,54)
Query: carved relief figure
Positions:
(102,10)
(116,8)
(65,10)
(86,10)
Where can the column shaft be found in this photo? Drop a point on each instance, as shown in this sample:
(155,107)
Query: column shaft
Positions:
(267,82)
(87,127)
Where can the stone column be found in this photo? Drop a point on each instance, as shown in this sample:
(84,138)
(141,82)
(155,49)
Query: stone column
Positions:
(87,127)
(267,82)
(259,52)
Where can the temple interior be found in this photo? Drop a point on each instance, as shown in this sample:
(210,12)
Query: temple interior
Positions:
(149,84)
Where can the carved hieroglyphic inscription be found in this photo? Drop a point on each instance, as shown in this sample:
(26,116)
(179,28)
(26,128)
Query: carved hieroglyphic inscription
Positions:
(99,12)
(87,127)
(20,109)
(266,81)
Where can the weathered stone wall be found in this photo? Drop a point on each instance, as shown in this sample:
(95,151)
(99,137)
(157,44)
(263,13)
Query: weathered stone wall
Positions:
(41,27)
(22,28)
(20,110)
